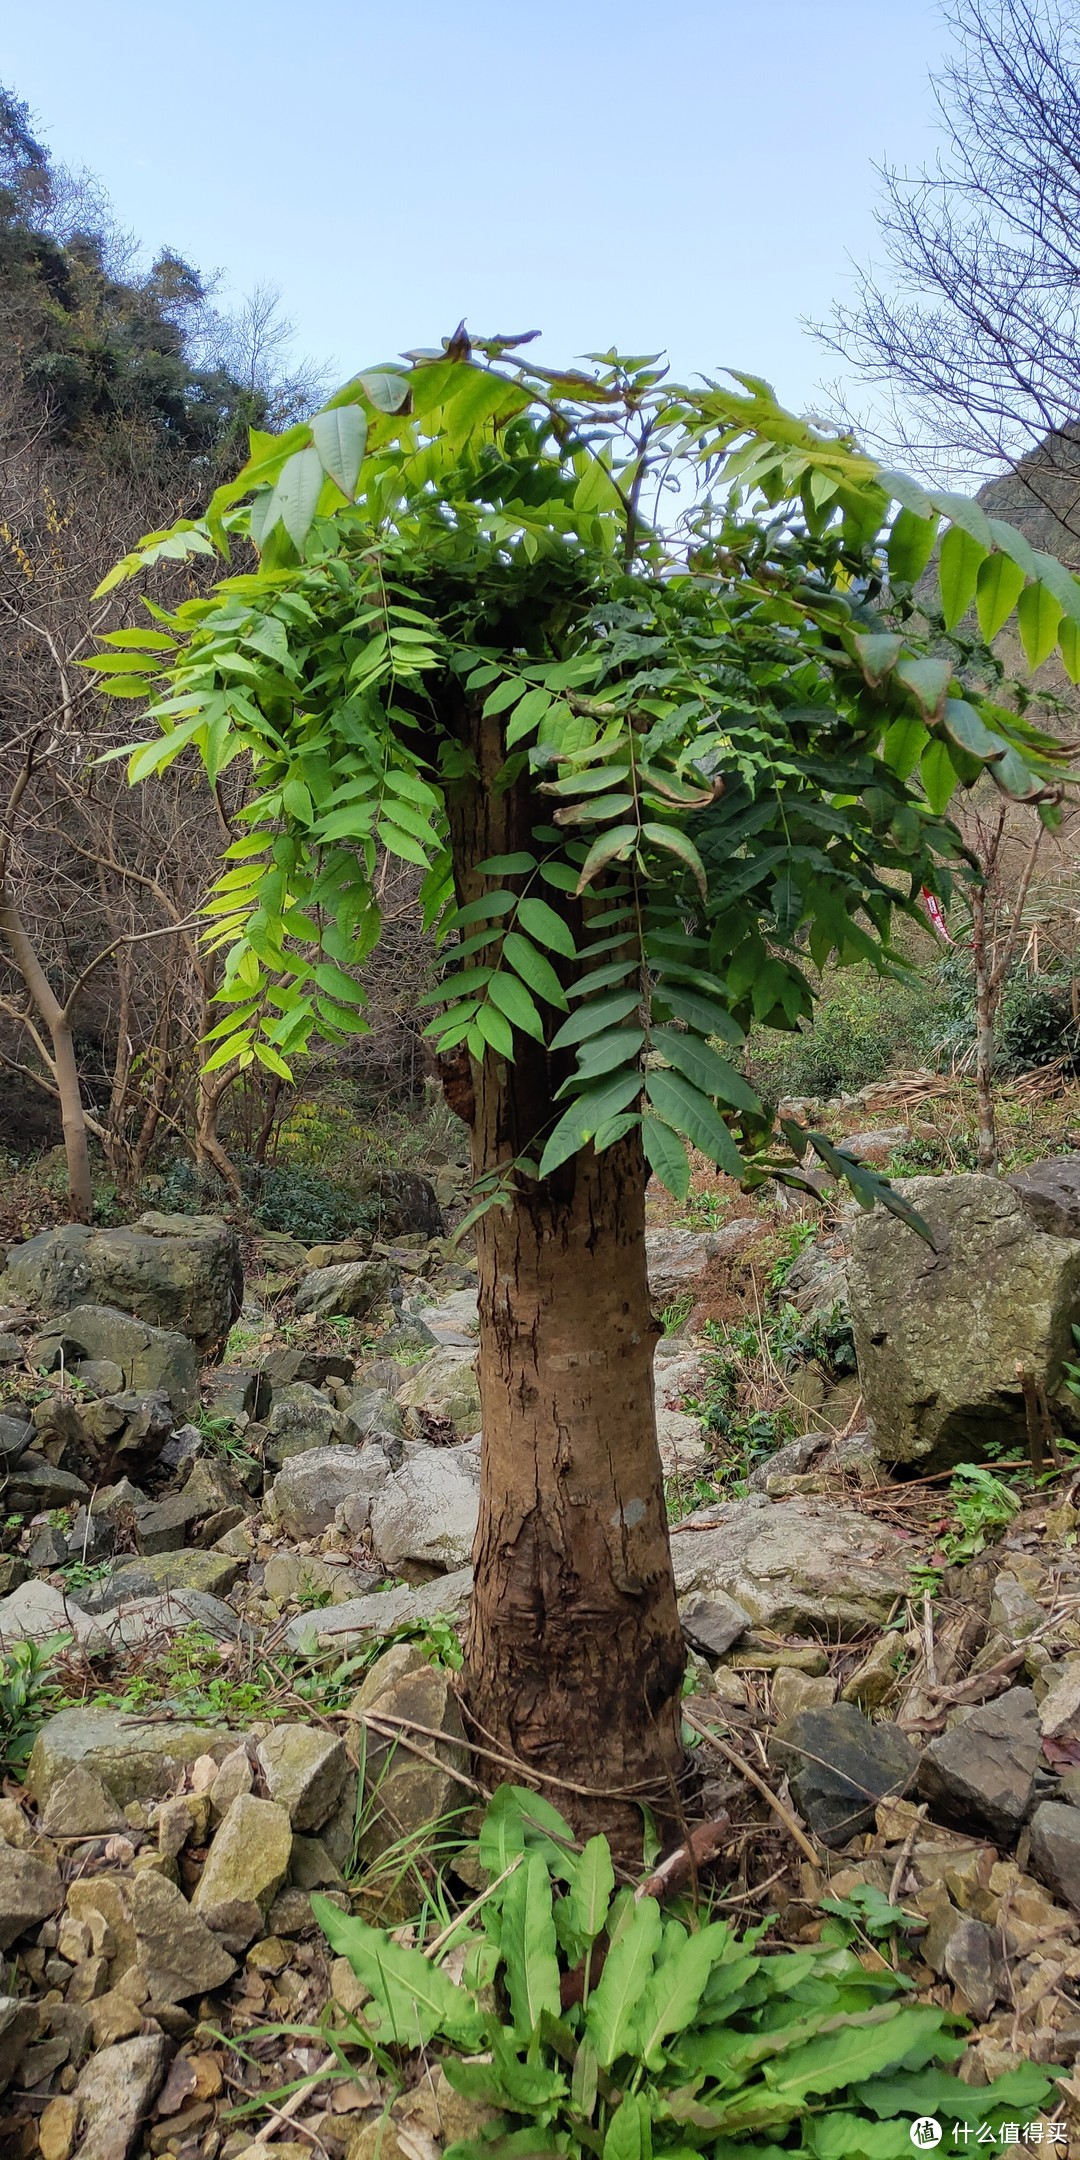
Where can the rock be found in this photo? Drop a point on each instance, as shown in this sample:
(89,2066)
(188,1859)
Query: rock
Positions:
(304,1770)
(34,1485)
(116,2092)
(133,1761)
(983,1769)
(162,1525)
(247,1864)
(18,2026)
(712,1623)
(1059,1709)
(176,1949)
(175,1271)
(878,1677)
(352,1288)
(131,1624)
(939,1334)
(345,1627)
(283,1367)
(1050,1194)
(79,1806)
(312,1868)
(309,1488)
(453,1322)
(153,1360)
(409,1794)
(300,1419)
(305,1576)
(234,1392)
(13,1571)
(444,1389)
(36,1611)
(16,1434)
(406,1204)
(790,1460)
(1055,1849)
(793,1691)
(371,1413)
(149,1575)
(817,1281)
(974,1965)
(30,1890)
(58,2128)
(101,1375)
(797,1567)
(423,1521)
(1014,1613)
(678,1260)
(840,1766)
(128,1433)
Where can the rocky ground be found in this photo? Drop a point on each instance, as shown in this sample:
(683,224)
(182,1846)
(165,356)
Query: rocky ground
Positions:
(248,1520)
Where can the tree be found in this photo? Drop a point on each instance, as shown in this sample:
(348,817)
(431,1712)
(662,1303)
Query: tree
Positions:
(644,771)
(977,335)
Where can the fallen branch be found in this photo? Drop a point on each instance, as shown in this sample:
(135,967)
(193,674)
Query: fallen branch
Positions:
(752,1778)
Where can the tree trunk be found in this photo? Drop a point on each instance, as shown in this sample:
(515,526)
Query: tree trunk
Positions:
(985,1004)
(574,1658)
(65,1066)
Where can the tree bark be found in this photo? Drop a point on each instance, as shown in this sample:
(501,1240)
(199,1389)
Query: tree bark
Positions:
(985,1013)
(56,1020)
(574,1657)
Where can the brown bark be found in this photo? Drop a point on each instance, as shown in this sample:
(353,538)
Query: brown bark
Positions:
(985,1012)
(574,1658)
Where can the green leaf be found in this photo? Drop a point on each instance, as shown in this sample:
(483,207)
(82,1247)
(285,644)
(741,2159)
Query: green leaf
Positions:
(526,716)
(910,546)
(412,1999)
(591,1890)
(675,842)
(962,510)
(585,1116)
(591,1019)
(495,1029)
(691,1113)
(671,1999)
(1001,582)
(705,1014)
(533,968)
(340,436)
(543,923)
(969,731)
(388,390)
(901,488)
(515,1821)
(506,865)
(938,774)
(595,812)
(962,558)
(928,681)
(527,1940)
(666,1155)
(604,1053)
(296,496)
(610,847)
(610,2019)
(629,2133)
(512,998)
(708,1071)
(1038,615)
(903,745)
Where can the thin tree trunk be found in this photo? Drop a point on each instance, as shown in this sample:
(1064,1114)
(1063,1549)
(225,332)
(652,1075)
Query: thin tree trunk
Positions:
(65,1067)
(985,1003)
(574,1658)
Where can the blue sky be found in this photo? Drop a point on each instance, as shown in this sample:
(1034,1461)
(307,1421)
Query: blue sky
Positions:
(692,174)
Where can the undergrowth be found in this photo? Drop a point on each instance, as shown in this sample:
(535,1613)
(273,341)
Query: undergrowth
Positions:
(591,2021)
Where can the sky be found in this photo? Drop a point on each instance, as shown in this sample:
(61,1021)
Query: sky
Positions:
(692,176)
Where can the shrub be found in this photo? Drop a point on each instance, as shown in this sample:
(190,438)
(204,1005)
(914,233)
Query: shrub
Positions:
(864,1024)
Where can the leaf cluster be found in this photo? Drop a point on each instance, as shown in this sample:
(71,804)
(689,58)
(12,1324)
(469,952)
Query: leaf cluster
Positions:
(592,2023)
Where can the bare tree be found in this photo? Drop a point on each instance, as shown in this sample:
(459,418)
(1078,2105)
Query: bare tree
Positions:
(972,330)
(253,343)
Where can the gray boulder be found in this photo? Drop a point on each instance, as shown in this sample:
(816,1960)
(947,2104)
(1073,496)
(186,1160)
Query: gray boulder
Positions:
(30,1890)
(406,1203)
(35,1484)
(678,1260)
(300,1419)
(133,1761)
(36,1611)
(116,2093)
(16,1434)
(351,1288)
(797,1567)
(982,1770)
(310,1487)
(406,1794)
(1050,1192)
(423,1521)
(153,1360)
(1055,1849)
(345,1627)
(841,1766)
(939,1332)
(175,1271)
(445,1390)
